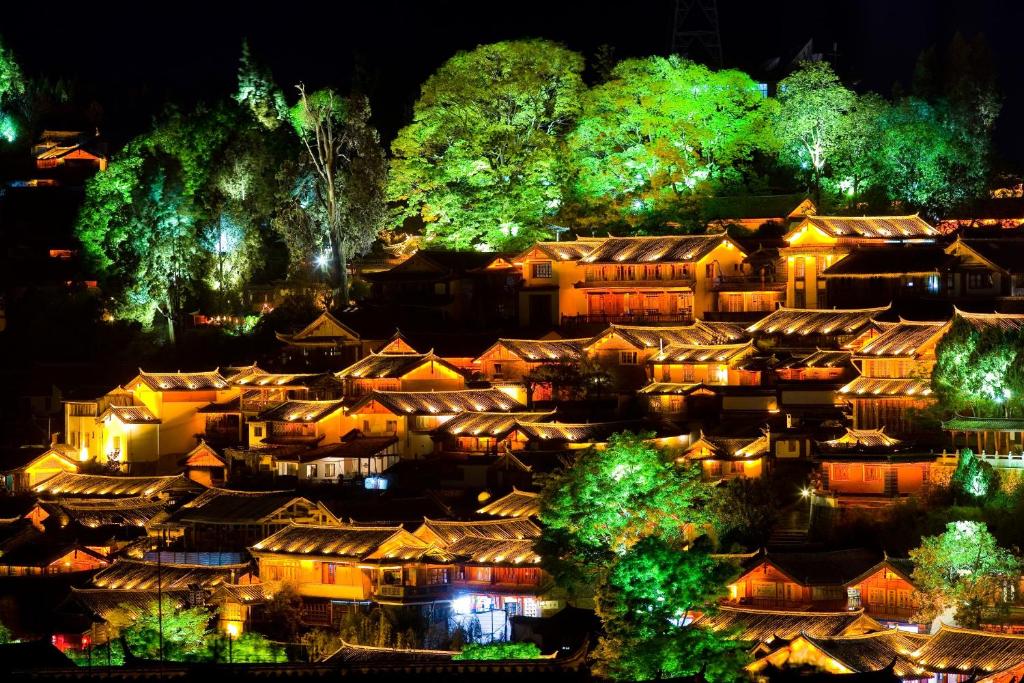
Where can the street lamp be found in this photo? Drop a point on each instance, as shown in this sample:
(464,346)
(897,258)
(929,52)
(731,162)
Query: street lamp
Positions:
(232,634)
(808,493)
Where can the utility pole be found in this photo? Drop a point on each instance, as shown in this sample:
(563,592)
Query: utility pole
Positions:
(696,24)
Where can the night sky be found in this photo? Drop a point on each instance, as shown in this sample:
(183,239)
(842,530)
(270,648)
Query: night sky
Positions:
(133,63)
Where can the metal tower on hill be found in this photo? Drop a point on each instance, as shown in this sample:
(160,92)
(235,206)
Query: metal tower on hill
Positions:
(695,31)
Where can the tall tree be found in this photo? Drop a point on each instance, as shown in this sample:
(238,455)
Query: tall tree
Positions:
(616,523)
(661,132)
(349,173)
(812,118)
(481,164)
(181,632)
(12,92)
(258,93)
(964,571)
(855,164)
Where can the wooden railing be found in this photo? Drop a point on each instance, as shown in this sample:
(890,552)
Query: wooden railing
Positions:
(637,318)
(1003,461)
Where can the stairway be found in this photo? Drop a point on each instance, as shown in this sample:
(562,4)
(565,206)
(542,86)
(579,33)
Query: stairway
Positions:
(791,530)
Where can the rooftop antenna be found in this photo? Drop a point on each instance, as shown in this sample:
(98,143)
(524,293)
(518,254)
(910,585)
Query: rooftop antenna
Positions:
(696,23)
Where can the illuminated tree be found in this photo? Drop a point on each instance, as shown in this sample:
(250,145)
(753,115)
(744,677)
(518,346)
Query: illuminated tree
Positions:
(258,93)
(616,523)
(855,164)
(965,572)
(348,170)
(184,631)
(5,634)
(979,371)
(491,651)
(661,132)
(481,164)
(12,91)
(973,477)
(812,118)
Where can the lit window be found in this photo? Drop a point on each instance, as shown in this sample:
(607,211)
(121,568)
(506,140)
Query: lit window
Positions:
(627,357)
(541,269)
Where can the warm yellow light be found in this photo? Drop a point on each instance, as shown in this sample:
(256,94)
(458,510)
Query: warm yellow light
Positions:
(232,631)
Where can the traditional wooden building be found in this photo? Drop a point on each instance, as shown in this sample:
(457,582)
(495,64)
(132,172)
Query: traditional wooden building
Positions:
(753,212)
(128,574)
(412,416)
(515,359)
(205,466)
(306,423)
(868,468)
(400,372)
(49,556)
(724,364)
(228,520)
(838,580)
(958,654)
(515,504)
(356,456)
(728,458)
(470,287)
(324,342)
(879,275)
(809,330)
(753,626)
(54,460)
(550,272)
(482,433)
(816,243)
(866,653)
(70,149)
(895,375)
(74,485)
(985,269)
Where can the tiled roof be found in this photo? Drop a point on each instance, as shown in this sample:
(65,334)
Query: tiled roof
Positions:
(480,550)
(357,447)
(515,504)
(440,402)
(130,415)
(687,353)
(724,447)
(137,574)
(982,424)
(343,541)
(872,226)
(868,652)
(672,388)
(369,655)
(94,485)
(246,594)
(902,339)
(884,386)
(890,261)
(225,506)
(488,424)
(661,249)
(182,381)
(301,411)
(579,432)
(390,365)
(822,358)
(104,602)
(754,625)
(261,379)
(804,321)
(699,332)
(543,349)
(566,251)
(866,438)
(510,529)
(96,512)
(961,651)
(1005,253)
(1011,322)
(833,568)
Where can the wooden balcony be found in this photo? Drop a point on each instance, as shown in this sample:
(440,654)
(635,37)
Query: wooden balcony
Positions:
(631,318)
(430,591)
(744,283)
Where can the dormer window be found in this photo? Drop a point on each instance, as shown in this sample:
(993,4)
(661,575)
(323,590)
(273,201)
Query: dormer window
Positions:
(541,270)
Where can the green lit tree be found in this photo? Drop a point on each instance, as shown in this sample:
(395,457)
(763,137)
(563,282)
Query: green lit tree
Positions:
(346,174)
(660,133)
(12,92)
(5,634)
(974,478)
(481,164)
(963,571)
(979,372)
(492,651)
(617,523)
(855,163)
(184,631)
(812,118)
(258,93)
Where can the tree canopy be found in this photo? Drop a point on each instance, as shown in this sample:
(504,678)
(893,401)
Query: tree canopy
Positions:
(661,132)
(979,372)
(12,90)
(963,571)
(481,163)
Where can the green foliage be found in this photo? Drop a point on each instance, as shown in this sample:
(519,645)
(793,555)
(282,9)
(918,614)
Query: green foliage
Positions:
(248,648)
(108,654)
(963,570)
(12,94)
(979,371)
(812,118)
(662,132)
(481,164)
(184,632)
(974,478)
(617,522)
(5,634)
(284,614)
(258,93)
(750,508)
(499,651)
